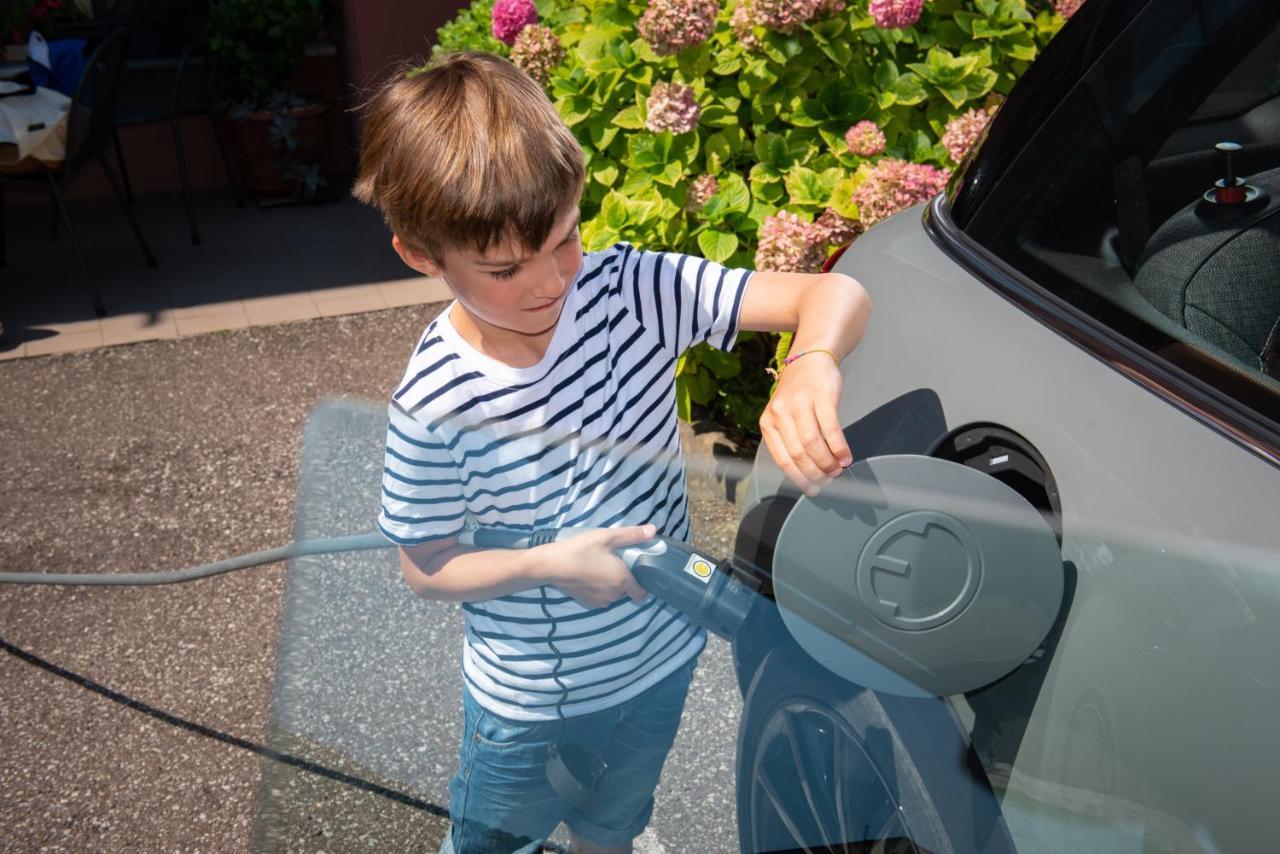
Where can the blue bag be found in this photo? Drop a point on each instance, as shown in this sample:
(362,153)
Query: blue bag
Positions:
(66,64)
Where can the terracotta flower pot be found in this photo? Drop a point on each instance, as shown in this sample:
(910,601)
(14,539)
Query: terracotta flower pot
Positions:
(251,146)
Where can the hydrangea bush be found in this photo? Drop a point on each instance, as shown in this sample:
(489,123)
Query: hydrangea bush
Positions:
(761,133)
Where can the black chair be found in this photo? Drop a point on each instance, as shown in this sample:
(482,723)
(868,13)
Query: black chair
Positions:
(166,37)
(89,124)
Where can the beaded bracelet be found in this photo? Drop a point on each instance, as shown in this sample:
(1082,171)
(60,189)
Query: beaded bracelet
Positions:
(791,358)
(778,373)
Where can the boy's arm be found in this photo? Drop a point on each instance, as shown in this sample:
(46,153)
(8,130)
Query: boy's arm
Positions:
(585,567)
(827,311)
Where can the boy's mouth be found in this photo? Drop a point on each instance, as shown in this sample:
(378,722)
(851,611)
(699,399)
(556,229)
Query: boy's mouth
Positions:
(544,306)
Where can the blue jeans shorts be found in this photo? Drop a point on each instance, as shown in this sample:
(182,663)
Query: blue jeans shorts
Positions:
(501,801)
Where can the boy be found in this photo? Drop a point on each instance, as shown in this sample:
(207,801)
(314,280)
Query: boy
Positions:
(543,397)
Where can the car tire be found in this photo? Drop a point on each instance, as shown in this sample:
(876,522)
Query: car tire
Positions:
(821,766)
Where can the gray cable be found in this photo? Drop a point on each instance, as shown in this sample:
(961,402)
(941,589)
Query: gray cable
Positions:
(354,543)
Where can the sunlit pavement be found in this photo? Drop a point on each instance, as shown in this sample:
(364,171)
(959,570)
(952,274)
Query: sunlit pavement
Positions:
(144,717)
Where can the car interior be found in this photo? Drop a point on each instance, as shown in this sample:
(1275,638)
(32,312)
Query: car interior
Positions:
(1154,198)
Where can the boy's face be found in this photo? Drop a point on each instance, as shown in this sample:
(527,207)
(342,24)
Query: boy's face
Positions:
(509,288)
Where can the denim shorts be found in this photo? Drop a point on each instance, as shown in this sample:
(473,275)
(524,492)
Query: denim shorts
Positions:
(501,801)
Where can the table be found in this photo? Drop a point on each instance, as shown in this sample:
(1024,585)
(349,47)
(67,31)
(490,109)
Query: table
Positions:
(33,128)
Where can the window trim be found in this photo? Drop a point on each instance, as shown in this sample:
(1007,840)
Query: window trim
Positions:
(1186,392)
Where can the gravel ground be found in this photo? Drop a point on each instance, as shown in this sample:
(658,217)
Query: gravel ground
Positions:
(161,718)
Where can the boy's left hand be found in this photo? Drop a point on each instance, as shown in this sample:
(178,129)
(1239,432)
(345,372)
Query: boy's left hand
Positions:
(801,427)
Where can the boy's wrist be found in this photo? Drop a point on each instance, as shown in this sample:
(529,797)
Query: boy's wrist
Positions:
(537,568)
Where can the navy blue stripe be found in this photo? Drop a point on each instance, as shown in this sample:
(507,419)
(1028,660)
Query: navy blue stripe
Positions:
(673,618)
(644,466)
(578,653)
(419,481)
(678,314)
(649,603)
(506,416)
(407,500)
(697,301)
(431,446)
(586,309)
(443,360)
(428,342)
(731,327)
(476,609)
(415,541)
(640,499)
(392,452)
(648,666)
(715,299)
(451,384)
(411,520)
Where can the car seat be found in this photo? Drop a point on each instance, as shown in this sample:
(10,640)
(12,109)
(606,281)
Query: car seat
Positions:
(1215,270)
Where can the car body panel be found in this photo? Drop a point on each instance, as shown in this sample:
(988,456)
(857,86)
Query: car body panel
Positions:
(1163,680)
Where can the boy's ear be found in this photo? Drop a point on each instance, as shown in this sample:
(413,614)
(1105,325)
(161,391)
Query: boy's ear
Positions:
(414,258)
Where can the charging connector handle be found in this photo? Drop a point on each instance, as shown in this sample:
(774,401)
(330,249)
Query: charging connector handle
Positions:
(713,594)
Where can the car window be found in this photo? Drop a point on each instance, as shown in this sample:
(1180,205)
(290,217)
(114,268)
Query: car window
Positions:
(1106,204)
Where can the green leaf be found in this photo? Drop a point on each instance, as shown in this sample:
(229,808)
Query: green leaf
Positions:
(771,150)
(728,64)
(734,192)
(806,187)
(716,115)
(717,245)
(909,90)
(648,150)
(723,365)
(606,173)
(842,197)
(838,52)
(886,74)
(614,211)
(575,110)
(684,403)
(630,118)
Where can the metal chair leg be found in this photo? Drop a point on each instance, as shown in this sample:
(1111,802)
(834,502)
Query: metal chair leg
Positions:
(61,208)
(128,212)
(3,260)
(184,179)
(124,170)
(226,160)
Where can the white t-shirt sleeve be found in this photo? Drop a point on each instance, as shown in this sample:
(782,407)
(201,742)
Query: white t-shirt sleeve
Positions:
(421,489)
(683,300)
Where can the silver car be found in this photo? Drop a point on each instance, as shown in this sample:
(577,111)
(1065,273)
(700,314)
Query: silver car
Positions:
(1042,613)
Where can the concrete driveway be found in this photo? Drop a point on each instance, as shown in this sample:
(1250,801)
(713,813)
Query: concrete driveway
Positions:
(306,707)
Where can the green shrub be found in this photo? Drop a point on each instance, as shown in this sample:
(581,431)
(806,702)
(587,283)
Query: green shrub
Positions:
(772,111)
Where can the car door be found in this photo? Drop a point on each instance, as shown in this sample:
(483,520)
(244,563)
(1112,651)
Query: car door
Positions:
(1033,301)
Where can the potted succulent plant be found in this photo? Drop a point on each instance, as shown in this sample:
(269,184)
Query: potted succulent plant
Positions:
(276,134)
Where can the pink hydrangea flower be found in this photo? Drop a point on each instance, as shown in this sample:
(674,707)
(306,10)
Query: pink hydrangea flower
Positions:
(537,51)
(836,229)
(700,192)
(789,244)
(742,22)
(670,26)
(673,107)
(895,14)
(864,139)
(963,131)
(894,185)
(785,16)
(512,16)
(1067,8)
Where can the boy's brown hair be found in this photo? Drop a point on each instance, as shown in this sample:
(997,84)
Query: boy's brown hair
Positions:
(467,153)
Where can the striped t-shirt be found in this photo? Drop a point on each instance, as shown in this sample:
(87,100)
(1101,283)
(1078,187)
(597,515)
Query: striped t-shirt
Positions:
(587,437)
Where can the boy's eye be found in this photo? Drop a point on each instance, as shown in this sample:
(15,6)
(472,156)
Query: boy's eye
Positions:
(505,274)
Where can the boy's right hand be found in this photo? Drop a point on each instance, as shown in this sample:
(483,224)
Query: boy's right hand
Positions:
(588,568)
